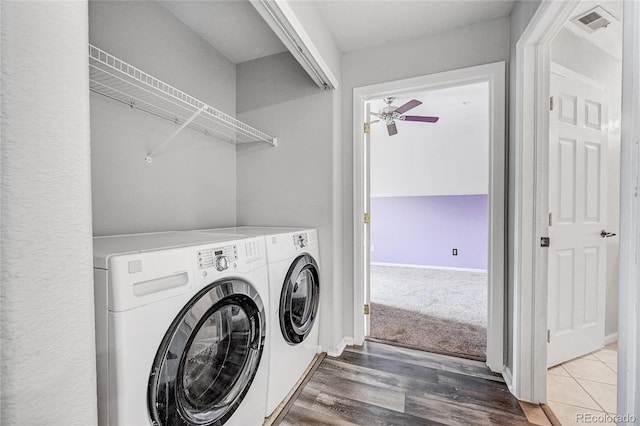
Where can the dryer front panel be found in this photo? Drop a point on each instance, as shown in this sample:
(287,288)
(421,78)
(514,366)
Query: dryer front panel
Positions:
(208,357)
(299,299)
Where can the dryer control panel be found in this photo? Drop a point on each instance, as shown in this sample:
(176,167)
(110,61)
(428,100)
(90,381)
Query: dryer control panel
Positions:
(210,257)
(300,241)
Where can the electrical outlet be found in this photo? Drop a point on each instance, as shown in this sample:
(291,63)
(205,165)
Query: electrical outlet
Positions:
(455,252)
(372,248)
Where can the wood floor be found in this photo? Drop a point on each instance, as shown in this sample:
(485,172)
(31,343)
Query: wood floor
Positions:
(378,384)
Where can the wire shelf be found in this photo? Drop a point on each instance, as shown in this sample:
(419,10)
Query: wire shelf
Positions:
(115,79)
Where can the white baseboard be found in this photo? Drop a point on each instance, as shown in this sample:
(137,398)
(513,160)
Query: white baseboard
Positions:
(611,338)
(346,341)
(446,268)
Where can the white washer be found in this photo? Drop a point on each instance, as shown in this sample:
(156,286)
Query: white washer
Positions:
(293,261)
(181,329)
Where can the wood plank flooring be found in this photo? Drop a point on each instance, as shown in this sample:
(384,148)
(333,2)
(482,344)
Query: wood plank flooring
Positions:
(378,384)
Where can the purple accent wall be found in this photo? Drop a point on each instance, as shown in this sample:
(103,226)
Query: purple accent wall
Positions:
(424,230)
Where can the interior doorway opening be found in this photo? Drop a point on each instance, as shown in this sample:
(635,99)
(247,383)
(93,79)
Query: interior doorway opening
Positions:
(493,76)
(583,200)
(531,131)
(429,214)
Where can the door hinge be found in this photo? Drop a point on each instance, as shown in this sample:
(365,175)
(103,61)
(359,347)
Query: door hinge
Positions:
(548,336)
(551,103)
(550,219)
(367,128)
(367,218)
(545,241)
(367,309)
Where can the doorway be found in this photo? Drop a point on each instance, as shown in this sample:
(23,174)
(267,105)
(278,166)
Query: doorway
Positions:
(584,209)
(531,130)
(493,76)
(429,173)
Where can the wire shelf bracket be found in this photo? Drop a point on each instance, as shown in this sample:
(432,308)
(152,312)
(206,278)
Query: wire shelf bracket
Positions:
(117,80)
(149,157)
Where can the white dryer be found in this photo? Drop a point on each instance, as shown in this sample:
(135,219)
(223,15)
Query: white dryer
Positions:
(181,329)
(293,261)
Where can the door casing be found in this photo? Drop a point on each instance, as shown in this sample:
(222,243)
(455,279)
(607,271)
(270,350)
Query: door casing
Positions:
(526,377)
(494,74)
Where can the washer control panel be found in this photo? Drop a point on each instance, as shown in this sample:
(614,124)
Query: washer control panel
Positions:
(252,250)
(220,257)
(222,263)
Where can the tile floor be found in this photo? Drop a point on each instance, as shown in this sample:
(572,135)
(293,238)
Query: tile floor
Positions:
(584,386)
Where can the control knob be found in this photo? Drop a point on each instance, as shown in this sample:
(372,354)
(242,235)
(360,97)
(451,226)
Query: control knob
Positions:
(222,263)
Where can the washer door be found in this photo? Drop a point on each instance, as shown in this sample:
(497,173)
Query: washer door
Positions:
(299,299)
(209,356)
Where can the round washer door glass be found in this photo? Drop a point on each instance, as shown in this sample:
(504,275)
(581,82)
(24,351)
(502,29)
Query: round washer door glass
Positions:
(299,299)
(208,357)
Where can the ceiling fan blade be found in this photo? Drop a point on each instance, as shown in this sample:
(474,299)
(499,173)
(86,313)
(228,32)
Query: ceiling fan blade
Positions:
(420,118)
(409,105)
(392,129)
(375,114)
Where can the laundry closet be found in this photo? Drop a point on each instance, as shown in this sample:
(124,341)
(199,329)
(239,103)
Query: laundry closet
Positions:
(196,180)
(193,129)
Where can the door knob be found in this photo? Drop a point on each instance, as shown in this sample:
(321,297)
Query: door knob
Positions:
(605,234)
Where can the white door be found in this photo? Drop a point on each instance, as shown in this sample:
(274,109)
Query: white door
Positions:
(577,206)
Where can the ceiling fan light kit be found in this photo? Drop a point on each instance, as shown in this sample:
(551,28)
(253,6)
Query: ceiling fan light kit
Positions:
(390,114)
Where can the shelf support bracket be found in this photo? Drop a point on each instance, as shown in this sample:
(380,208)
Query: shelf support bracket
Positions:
(149,157)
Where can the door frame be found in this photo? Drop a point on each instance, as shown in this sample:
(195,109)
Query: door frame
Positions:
(528,371)
(629,276)
(533,75)
(494,74)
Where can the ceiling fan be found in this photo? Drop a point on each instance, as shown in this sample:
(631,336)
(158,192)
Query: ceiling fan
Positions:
(390,113)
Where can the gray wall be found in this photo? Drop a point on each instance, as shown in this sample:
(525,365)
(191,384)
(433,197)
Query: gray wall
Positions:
(575,53)
(47,334)
(290,185)
(477,44)
(191,183)
(521,15)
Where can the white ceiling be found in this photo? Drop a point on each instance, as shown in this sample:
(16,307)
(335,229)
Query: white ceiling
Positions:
(233,27)
(608,39)
(458,104)
(444,158)
(357,24)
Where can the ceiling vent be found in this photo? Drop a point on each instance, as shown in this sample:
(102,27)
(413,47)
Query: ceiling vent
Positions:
(593,20)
